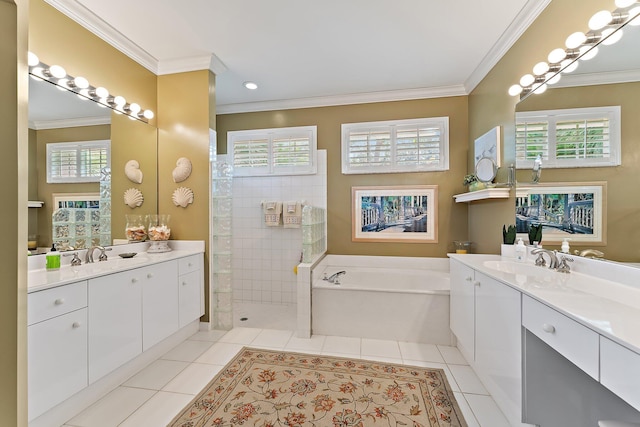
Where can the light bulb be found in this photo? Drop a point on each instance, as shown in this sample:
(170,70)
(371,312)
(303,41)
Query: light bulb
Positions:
(553,78)
(611,36)
(568,66)
(540,68)
(527,80)
(57,71)
(119,101)
(600,20)
(81,82)
(587,52)
(148,114)
(575,40)
(556,55)
(32,59)
(624,3)
(515,90)
(134,108)
(101,92)
(539,88)
(634,16)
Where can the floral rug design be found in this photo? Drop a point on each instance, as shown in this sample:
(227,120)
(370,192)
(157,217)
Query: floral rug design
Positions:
(271,388)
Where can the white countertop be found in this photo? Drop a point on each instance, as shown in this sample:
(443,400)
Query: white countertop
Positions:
(604,305)
(39,278)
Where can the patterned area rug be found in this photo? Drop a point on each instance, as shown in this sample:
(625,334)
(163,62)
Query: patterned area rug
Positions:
(272,388)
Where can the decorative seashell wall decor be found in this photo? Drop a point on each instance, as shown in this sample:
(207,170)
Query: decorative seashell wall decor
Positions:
(182,170)
(133,172)
(182,196)
(133,198)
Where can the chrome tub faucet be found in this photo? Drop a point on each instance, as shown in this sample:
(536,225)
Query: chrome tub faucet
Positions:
(335,277)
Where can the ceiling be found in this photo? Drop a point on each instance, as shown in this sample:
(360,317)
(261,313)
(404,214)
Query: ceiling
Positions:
(304,53)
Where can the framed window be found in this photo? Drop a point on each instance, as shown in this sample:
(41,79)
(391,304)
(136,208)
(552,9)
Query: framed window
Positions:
(77,161)
(578,137)
(272,152)
(415,145)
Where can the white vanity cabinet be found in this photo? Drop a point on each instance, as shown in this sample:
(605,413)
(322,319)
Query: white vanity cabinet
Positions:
(57,345)
(115,321)
(160,296)
(486,319)
(190,290)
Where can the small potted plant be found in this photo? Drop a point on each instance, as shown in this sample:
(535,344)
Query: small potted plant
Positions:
(471,181)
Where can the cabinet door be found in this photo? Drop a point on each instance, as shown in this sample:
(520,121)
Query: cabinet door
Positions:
(190,296)
(462,307)
(498,343)
(159,303)
(57,353)
(115,321)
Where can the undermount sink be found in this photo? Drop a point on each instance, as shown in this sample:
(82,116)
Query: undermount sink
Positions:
(513,267)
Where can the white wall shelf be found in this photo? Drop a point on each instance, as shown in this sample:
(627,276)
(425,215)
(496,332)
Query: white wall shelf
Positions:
(35,204)
(487,193)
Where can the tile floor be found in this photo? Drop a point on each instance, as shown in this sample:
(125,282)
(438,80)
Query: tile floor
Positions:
(157,393)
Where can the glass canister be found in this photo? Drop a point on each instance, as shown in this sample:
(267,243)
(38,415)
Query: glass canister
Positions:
(159,233)
(136,229)
(462,246)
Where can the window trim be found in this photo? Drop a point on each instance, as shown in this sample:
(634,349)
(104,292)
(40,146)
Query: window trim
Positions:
(613,113)
(393,125)
(271,134)
(55,146)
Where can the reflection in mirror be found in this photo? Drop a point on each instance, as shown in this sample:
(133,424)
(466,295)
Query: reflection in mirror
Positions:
(60,116)
(610,79)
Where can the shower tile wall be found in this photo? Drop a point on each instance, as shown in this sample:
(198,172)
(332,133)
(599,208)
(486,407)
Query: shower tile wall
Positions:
(263,257)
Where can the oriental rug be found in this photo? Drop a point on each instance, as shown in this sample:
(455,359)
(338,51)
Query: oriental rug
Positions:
(273,388)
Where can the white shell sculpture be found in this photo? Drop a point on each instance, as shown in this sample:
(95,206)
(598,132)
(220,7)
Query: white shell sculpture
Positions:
(182,170)
(133,172)
(133,198)
(182,196)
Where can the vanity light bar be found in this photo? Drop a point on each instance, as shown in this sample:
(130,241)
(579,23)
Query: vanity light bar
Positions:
(80,86)
(603,28)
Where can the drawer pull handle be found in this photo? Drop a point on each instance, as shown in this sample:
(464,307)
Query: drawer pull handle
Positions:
(190,265)
(59,301)
(548,328)
(134,280)
(476,283)
(149,275)
(184,283)
(469,278)
(75,325)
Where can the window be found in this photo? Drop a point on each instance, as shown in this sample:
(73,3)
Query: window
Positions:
(77,161)
(280,151)
(415,145)
(579,137)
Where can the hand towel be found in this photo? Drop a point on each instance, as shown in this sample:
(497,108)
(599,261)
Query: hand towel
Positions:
(272,212)
(292,215)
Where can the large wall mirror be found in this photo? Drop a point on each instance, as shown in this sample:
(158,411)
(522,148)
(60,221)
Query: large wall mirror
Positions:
(611,78)
(57,116)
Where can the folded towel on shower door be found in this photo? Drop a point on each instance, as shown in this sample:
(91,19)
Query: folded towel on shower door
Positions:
(292,215)
(272,212)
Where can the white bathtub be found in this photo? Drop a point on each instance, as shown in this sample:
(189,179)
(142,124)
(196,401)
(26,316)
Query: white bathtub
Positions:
(395,298)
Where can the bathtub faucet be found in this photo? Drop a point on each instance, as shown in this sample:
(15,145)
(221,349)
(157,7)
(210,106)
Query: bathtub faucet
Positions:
(335,277)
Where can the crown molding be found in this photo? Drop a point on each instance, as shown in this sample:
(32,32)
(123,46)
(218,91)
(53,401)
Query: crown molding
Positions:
(106,32)
(69,123)
(193,63)
(522,21)
(333,100)
(591,79)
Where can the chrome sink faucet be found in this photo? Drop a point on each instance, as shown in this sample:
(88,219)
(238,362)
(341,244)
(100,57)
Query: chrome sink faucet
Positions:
(553,258)
(335,277)
(101,257)
(591,253)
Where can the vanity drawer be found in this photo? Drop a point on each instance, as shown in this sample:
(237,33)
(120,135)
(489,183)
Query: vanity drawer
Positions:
(54,302)
(189,264)
(577,343)
(620,370)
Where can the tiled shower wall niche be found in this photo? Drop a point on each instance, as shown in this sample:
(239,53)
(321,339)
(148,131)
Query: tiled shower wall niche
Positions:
(264,257)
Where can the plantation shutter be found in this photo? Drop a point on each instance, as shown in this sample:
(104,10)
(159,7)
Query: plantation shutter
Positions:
(532,139)
(396,146)
(251,153)
(582,139)
(77,161)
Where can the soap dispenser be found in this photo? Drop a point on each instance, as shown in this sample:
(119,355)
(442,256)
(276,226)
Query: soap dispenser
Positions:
(565,246)
(521,251)
(53,258)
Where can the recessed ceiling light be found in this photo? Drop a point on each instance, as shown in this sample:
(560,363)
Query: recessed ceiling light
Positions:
(250,85)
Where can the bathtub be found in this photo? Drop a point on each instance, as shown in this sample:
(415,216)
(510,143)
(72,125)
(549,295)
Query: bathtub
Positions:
(392,298)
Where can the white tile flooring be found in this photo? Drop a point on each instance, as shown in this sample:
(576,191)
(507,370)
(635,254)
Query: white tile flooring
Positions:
(158,392)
